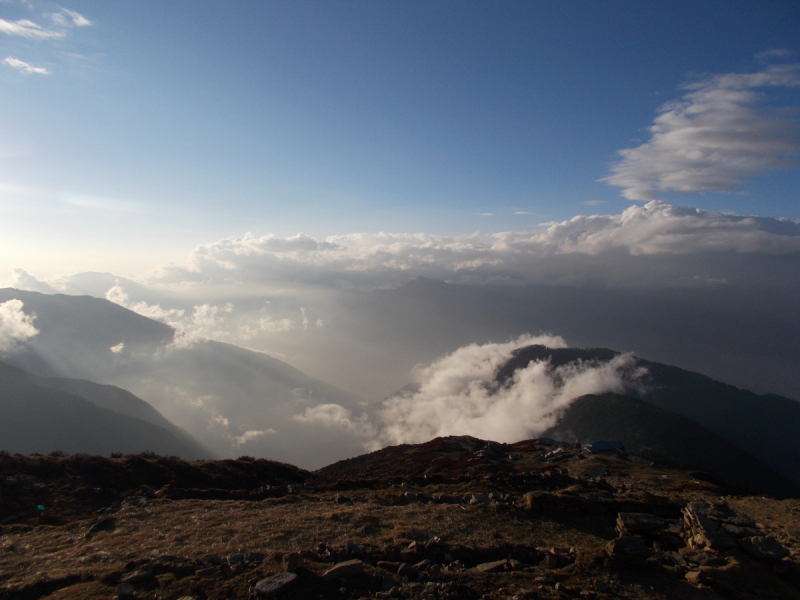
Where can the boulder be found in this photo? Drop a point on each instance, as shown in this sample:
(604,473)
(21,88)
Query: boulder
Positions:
(639,523)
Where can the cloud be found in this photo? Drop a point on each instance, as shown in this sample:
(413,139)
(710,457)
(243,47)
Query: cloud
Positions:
(29,29)
(78,20)
(118,348)
(713,137)
(335,416)
(22,280)
(252,434)
(368,261)
(458,395)
(15,325)
(24,67)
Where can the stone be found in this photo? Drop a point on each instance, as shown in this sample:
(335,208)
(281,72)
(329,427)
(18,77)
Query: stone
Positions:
(491,567)
(696,577)
(137,577)
(764,547)
(434,571)
(479,499)
(388,565)
(639,523)
(343,570)
(407,570)
(355,548)
(671,558)
(235,559)
(629,547)
(277,584)
(206,572)
(125,589)
(738,531)
(292,561)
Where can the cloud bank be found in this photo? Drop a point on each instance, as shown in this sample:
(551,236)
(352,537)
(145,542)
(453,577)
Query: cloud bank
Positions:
(713,137)
(388,259)
(15,325)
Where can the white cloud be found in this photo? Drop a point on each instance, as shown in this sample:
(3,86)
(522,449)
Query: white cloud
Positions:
(15,325)
(24,67)
(118,348)
(78,20)
(713,137)
(388,259)
(458,395)
(337,417)
(29,29)
(250,435)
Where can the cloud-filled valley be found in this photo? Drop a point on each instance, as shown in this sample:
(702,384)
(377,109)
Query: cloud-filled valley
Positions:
(410,328)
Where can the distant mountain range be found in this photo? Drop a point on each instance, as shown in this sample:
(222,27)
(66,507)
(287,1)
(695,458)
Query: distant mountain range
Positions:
(75,416)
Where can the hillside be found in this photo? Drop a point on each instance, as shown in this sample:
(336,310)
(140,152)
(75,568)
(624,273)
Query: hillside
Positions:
(39,416)
(453,518)
(764,426)
(652,432)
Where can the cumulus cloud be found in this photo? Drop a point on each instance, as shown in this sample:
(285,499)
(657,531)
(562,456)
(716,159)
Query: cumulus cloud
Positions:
(713,137)
(458,395)
(24,67)
(388,259)
(117,349)
(15,325)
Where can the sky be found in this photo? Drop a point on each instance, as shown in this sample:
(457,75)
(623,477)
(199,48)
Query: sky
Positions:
(136,135)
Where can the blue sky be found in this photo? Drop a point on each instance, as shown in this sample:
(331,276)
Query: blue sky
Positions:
(132,132)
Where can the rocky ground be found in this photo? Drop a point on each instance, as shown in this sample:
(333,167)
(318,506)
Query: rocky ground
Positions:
(453,518)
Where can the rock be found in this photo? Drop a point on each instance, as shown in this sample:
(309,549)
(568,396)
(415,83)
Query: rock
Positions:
(434,571)
(479,499)
(343,570)
(696,577)
(639,523)
(764,547)
(423,564)
(387,583)
(254,557)
(406,570)
(207,572)
(491,567)
(235,559)
(292,561)
(272,586)
(125,589)
(355,548)
(137,577)
(388,565)
(738,531)
(671,558)
(629,547)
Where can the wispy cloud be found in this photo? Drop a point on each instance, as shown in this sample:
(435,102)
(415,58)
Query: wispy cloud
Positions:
(29,29)
(486,214)
(713,137)
(24,67)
